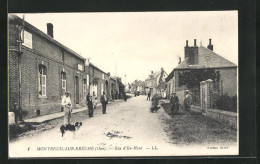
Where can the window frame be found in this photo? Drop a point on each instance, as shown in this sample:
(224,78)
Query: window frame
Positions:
(84,88)
(63,80)
(42,81)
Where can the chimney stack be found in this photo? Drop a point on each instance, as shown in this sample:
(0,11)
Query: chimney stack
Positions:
(50,29)
(210,46)
(151,72)
(195,43)
(179,60)
(187,43)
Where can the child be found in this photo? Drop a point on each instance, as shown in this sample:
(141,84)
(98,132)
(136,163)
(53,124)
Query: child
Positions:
(95,103)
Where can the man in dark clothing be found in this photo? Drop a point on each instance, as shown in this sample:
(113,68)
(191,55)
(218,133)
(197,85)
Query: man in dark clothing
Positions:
(103,100)
(174,103)
(187,101)
(125,98)
(88,98)
(90,107)
(148,96)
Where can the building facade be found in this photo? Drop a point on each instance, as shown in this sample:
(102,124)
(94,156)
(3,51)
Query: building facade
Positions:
(99,81)
(155,83)
(40,68)
(201,64)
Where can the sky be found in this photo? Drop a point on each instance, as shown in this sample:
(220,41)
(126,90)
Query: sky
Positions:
(136,43)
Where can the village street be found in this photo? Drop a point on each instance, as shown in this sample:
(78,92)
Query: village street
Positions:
(128,129)
(125,124)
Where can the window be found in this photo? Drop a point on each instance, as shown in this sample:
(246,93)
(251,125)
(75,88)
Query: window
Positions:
(103,76)
(84,88)
(101,89)
(63,81)
(87,81)
(42,80)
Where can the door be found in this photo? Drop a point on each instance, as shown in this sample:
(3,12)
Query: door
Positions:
(77,90)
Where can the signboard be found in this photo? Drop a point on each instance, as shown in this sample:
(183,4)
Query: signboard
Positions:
(80,67)
(27,39)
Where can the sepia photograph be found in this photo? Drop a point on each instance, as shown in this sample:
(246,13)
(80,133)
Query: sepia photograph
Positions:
(123,84)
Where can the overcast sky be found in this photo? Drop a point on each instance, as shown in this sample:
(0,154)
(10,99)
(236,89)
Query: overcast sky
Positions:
(140,42)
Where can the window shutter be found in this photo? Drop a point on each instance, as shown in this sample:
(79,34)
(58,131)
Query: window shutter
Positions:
(87,80)
(64,85)
(43,85)
(39,85)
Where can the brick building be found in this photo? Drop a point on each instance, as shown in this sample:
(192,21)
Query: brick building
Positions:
(201,64)
(99,81)
(40,68)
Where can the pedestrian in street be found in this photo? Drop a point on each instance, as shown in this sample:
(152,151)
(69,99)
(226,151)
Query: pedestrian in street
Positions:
(125,97)
(90,107)
(187,101)
(103,100)
(66,104)
(174,103)
(148,96)
(95,103)
(155,102)
(88,98)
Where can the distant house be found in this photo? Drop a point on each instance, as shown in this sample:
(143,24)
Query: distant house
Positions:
(127,87)
(155,83)
(138,86)
(119,87)
(200,64)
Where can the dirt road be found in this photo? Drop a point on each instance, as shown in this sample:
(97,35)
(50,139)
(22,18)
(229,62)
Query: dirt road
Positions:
(128,128)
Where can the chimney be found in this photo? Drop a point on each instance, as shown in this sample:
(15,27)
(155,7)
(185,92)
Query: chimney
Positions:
(50,29)
(195,43)
(191,53)
(187,43)
(162,69)
(210,46)
(179,60)
(151,72)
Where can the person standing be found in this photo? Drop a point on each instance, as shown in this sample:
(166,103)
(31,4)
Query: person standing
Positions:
(187,101)
(103,100)
(90,107)
(174,103)
(95,103)
(125,97)
(88,98)
(148,96)
(66,104)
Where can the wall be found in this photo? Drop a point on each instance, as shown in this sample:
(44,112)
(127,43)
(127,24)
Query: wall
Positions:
(229,78)
(46,53)
(13,74)
(96,73)
(224,117)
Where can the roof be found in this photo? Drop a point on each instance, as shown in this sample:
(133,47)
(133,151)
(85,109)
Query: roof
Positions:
(206,59)
(170,76)
(155,75)
(97,68)
(39,32)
